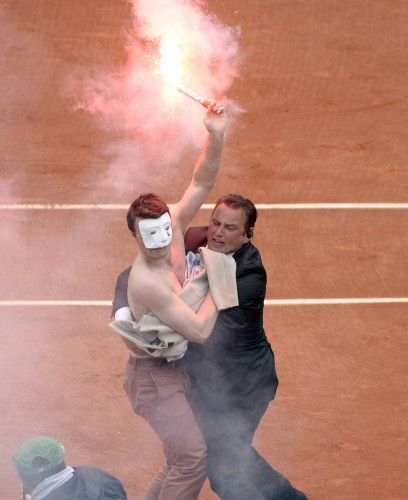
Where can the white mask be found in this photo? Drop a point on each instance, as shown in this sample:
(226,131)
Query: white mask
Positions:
(156,233)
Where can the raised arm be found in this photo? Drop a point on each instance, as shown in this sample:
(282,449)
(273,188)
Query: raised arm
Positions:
(205,170)
(174,312)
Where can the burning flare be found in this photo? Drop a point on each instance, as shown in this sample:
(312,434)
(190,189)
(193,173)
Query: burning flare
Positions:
(171,65)
(171,61)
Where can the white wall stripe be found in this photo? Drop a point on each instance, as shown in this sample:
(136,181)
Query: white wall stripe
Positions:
(268,302)
(209,206)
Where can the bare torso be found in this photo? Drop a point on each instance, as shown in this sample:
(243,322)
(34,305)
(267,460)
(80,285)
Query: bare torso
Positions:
(166,269)
(162,274)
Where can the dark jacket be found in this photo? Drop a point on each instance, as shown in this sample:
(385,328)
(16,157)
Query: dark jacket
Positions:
(90,483)
(236,364)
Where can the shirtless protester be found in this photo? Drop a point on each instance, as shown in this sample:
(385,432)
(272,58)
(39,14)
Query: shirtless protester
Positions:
(156,387)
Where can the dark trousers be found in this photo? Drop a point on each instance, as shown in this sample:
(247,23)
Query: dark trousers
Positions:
(235,469)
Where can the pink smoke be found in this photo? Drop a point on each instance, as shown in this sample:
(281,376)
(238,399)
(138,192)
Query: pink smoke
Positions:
(162,123)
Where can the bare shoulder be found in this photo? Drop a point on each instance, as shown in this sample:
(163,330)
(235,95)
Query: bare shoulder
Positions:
(141,281)
(148,288)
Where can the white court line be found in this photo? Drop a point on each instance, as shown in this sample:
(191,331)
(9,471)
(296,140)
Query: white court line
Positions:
(87,303)
(310,302)
(209,206)
(268,302)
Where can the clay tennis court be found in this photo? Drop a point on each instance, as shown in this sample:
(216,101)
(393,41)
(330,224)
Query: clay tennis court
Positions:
(324,86)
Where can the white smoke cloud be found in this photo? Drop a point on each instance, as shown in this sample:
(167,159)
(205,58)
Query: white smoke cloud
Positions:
(156,124)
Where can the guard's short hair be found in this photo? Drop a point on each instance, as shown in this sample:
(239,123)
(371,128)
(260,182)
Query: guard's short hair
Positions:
(238,201)
(146,206)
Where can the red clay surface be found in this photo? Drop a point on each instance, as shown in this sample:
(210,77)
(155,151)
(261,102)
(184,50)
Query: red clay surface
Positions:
(324,86)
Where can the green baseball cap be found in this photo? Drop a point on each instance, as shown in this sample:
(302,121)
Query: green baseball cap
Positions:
(38,455)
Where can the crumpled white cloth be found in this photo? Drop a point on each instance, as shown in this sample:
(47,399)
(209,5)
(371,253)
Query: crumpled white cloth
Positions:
(193,266)
(51,483)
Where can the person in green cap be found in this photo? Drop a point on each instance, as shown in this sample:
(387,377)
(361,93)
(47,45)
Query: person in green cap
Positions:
(40,463)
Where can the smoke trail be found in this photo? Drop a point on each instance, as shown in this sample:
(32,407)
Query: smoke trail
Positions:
(156,124)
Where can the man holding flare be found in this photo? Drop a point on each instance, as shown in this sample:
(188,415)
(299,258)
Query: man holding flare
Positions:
(156,386)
